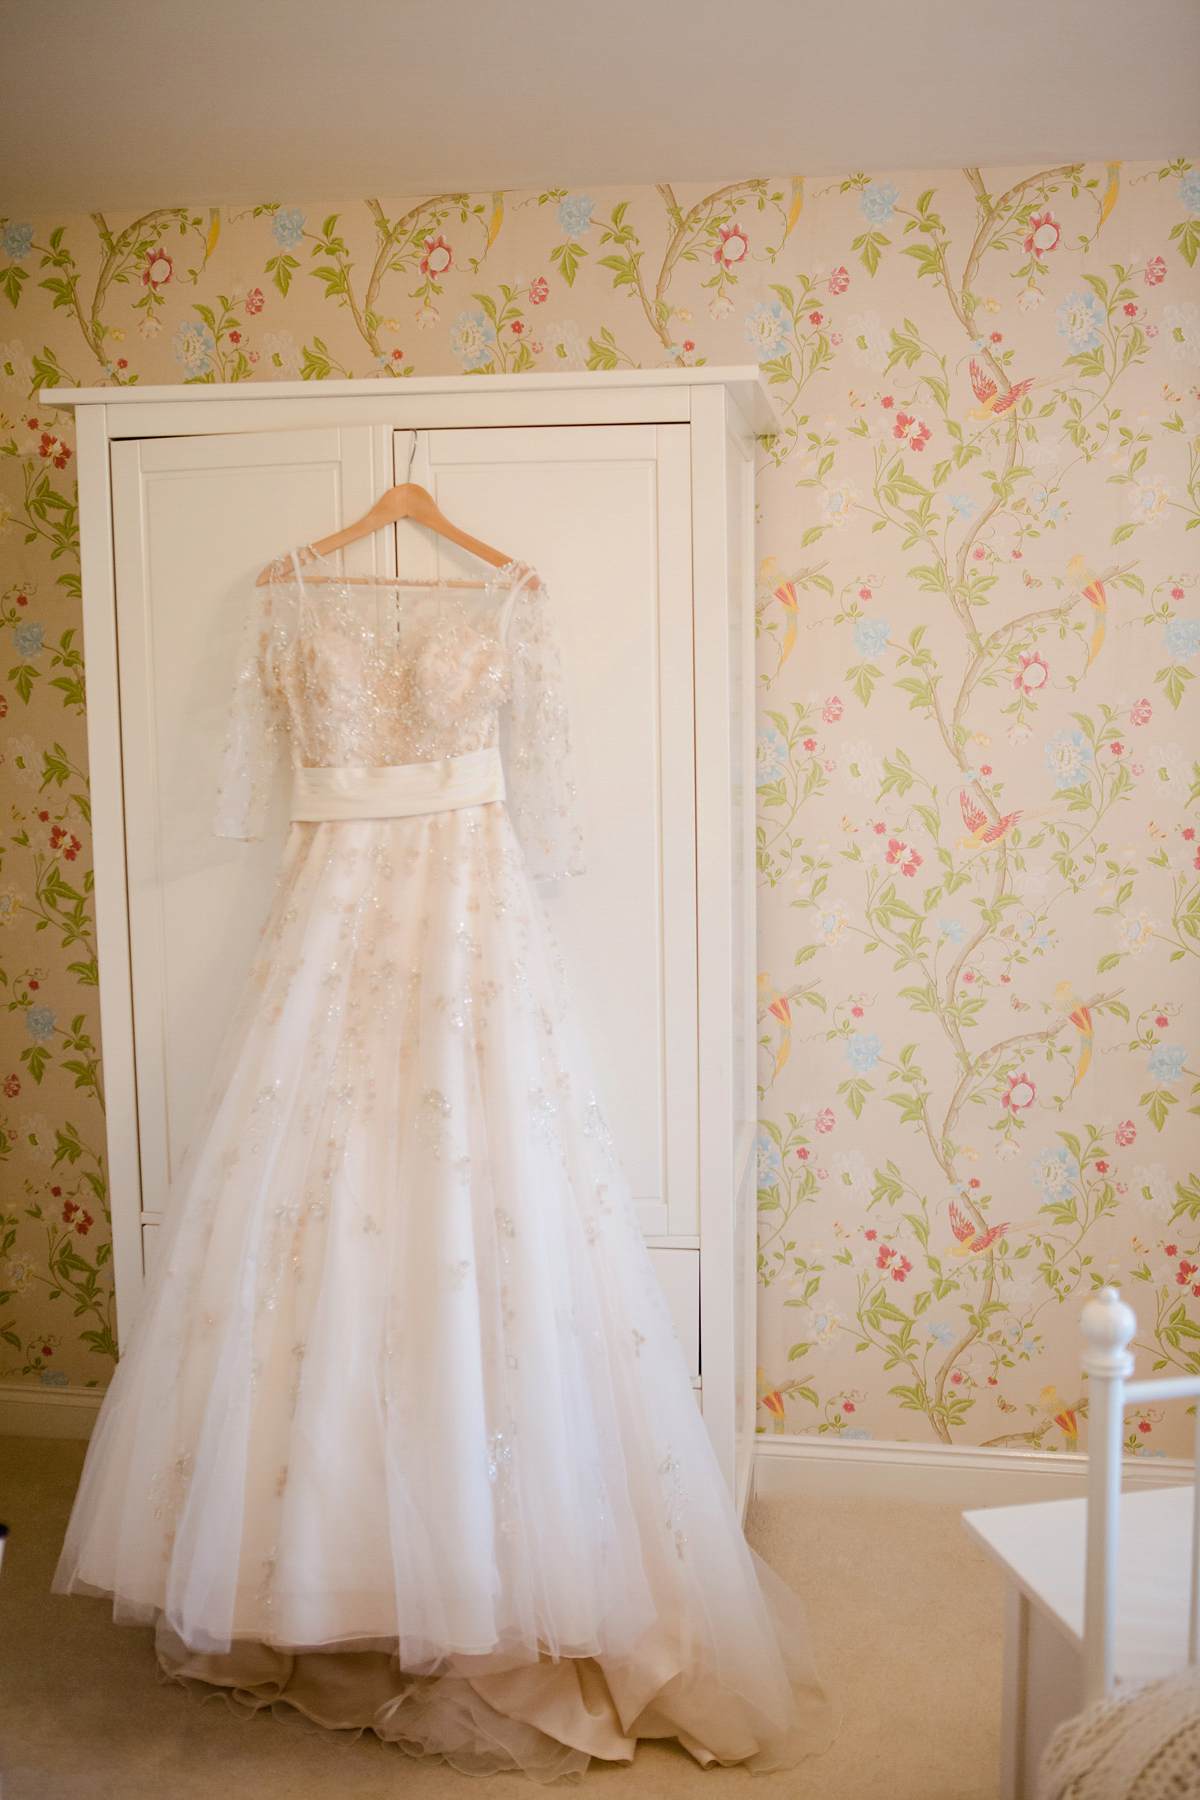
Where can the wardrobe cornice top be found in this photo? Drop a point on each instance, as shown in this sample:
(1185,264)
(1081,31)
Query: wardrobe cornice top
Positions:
(745,383)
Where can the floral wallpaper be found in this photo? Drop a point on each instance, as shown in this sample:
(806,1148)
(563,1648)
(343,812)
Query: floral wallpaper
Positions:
(978,761)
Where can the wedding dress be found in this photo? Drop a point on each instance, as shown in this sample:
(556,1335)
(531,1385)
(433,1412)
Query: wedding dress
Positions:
(403,1438)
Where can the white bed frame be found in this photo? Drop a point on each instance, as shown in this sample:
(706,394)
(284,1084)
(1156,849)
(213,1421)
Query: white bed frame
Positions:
(1108,1325)
(1094,1595)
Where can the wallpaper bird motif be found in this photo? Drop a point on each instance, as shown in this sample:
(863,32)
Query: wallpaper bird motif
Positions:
(978,769)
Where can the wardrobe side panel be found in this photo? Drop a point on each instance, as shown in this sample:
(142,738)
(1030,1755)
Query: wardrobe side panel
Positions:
(739,540)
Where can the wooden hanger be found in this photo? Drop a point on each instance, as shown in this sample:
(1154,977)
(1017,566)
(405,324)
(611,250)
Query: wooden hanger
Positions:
(404,501)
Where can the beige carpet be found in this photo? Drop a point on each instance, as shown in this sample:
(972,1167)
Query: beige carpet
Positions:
(906,1612)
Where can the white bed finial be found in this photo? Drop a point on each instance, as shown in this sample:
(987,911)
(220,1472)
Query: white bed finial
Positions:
(1108,1324)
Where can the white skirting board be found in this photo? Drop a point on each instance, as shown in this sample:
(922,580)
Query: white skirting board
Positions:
(47,1412)
(832,1468)
(954,1475)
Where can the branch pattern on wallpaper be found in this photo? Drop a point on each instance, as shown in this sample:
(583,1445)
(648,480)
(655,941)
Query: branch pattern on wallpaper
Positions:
(977,762)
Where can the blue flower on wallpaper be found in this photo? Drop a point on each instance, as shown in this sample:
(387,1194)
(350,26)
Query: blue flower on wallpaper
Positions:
(27,639)
(16,240)
(194,347)
(871,636)
(39,1023)
(943,1334)
(1067,756)
(54,1378)
(575,215)
(878,203)
(766,328)
(1189,193)
(963,505)
(862,1051)
(1053,1171)
(954,929)
(287,227)
(1080,319)
(770,755)
(1166,1062)
(471,337)
(1182,637)
(770,1163)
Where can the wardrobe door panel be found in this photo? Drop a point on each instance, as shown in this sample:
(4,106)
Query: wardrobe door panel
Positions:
(603,513)
(194,521)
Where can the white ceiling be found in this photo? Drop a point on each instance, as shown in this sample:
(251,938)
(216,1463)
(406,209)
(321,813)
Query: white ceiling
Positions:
(122,104)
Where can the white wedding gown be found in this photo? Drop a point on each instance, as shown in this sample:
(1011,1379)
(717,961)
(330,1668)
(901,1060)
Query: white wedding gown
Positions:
(403,1438)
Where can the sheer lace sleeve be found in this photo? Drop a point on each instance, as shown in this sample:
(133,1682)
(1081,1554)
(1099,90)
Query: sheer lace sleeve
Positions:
(256,720)
(535,741)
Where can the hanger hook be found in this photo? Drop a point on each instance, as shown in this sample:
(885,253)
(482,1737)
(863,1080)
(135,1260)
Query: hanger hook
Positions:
(412,451)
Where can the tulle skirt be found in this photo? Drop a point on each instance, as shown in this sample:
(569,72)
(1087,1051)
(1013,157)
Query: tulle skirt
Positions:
(403,1438)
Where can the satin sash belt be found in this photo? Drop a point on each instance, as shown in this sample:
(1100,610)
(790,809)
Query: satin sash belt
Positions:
(398,791)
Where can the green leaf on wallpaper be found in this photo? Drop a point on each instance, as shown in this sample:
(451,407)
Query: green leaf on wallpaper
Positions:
(1189,1198)
(872,244)
(12,280)
(23,678)
(569,255)
(280,269)
(1187,235)
(1174,679)
(1107,962)
(1121,533)
(806,951)
(35,1060)
(927,256)
(336,280)
(1157,1103)
(896,775)
(603,355)
(855,1092)
(1088,362)
(813,533)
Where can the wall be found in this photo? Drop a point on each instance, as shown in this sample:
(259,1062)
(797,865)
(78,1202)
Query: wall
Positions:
(979,627)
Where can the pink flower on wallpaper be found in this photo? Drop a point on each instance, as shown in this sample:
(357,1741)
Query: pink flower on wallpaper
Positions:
(903,856)
(12,1086)
(1020,1094)
(539,290)
(1141,713)
(831,712)
(1033,673)
(825,1119)
(912,430)
(1156,271)
(1185,1271)
(810,744)
(54,450)
(437,258)
(732,247)
(1126,1133)
(255,300)
(158,271)
(839,281)
(1130,309)
(1030,297)
(893,1262)
(1043,235)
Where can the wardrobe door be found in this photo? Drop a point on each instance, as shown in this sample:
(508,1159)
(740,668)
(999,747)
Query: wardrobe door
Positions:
(194,519)
(603,513)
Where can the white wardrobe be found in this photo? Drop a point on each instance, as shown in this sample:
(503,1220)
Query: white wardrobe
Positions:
(632,494)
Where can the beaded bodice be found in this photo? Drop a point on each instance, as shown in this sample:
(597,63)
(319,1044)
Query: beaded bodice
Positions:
(376,674)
